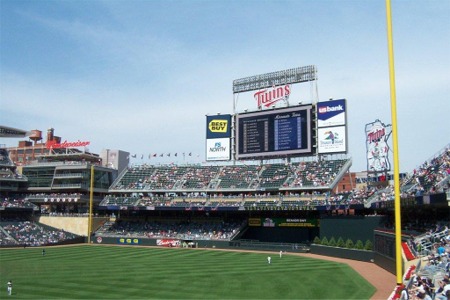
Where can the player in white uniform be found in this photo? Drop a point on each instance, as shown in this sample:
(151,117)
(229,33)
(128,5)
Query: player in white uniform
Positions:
(9,284)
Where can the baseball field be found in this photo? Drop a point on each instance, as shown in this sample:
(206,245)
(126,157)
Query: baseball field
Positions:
(128,272)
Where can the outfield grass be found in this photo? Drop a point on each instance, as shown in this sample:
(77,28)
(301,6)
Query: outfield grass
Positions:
(125,272)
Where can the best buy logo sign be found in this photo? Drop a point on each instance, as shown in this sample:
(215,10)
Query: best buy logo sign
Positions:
(218,126)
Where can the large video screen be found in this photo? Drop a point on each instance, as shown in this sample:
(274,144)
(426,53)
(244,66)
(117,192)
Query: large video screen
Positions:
(278,132)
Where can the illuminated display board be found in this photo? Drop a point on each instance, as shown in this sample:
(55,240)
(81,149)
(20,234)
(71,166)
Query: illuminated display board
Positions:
(277,132)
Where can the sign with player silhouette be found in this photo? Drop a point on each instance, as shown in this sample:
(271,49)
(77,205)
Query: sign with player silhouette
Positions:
(377,136)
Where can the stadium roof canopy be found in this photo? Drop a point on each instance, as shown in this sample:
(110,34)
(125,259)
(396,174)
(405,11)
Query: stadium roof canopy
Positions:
(10,132)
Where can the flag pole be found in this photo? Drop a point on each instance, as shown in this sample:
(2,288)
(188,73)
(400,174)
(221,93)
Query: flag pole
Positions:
(397,204)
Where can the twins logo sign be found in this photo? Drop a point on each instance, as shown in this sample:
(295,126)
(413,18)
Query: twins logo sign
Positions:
(377,136)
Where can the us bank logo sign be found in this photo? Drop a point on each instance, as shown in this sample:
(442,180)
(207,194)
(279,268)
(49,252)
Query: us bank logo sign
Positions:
(218,149)
(331,113)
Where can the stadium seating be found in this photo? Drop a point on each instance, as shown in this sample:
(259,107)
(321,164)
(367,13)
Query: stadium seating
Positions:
(229,177)
(432,176)
(167,228)
(26,233)
(17,203)
(237,177)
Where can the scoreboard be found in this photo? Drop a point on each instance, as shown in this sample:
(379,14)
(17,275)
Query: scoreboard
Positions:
(279,132)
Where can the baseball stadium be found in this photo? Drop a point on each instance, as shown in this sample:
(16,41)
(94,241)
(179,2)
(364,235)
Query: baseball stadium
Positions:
(273,213)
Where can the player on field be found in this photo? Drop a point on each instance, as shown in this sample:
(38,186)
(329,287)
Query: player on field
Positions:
(9,284)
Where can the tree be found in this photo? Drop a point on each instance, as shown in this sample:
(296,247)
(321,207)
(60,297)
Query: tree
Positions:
(359,245)
(340,242)
(317,240)
(349,244)
(368,245)
(324,241)
(332,242)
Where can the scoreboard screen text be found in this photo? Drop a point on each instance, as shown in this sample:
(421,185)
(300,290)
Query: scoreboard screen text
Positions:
(277,132)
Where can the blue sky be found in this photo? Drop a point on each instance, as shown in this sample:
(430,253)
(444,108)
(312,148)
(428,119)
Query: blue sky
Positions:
(140,76)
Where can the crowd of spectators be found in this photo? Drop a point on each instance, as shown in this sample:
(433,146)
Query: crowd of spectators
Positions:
(287,200)
(4,157)
(432,176)
(27,233)
(6,240)
(320,173)
(177,229)
(315,173)
(9,173)
(12,202)
(431,278)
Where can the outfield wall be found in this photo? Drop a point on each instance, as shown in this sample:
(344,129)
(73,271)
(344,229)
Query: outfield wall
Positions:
(351,227)
(211,244)
(355,254)
(281,234)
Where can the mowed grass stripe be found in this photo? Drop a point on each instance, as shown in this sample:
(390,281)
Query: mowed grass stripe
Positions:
(118,272)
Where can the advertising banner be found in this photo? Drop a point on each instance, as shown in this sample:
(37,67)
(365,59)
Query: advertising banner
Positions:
(218,135)
(331,113)
(282,222)
(332,139)
(168,243)
(218,149)
(218,126)
(128,241)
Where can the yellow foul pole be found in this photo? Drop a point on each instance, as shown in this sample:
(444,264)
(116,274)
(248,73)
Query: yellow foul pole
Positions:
(398,230)
(91,200)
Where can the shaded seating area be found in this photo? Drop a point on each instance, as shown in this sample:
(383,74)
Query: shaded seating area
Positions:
(27,233)
(213,229)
